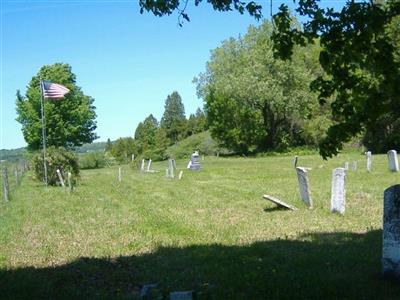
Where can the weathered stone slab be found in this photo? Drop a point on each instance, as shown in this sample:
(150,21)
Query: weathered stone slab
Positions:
(369,160)
(149,165)
(180,175)
(279,202)
(186,295)
(142,166)
(346,165)
(391,233)
(393,162)
(304,186)
(338,193)
(194,164)
(354,166)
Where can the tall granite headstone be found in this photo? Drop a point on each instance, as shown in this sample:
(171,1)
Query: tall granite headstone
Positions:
(391,233)
(393,162)
(369,160)
(304,186)
(194,162)
(338,193)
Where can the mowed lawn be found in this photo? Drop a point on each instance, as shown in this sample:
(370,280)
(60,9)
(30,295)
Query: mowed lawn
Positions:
(210,232)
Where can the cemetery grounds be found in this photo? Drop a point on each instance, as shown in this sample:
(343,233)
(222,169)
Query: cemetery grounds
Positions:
(210,232)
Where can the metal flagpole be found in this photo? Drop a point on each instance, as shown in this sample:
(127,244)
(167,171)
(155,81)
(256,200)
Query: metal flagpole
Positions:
(43,132)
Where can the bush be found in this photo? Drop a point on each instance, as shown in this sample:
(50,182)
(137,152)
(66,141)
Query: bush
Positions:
(56,158)
(92,160)
(202,142)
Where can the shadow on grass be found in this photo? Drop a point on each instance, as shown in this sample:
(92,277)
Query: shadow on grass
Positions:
(325,265)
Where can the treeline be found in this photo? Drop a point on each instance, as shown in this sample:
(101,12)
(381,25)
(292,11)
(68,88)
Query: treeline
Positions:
(152,138)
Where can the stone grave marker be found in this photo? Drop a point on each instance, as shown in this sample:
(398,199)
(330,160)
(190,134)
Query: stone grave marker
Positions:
(60,178)
(304,186)
(393,162)
(369,160)
(142,166)
(391,233)
(180,175)
(338,192)
(69,182)
(279,202)
(354,166)
(185,295)
(194,164)
(346,165)
(149,165)
(119,174)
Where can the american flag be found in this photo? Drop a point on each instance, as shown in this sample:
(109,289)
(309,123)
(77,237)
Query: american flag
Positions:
(53,90)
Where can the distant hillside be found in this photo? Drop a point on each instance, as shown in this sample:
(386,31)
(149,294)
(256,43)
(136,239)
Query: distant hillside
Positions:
(12,154)
(93,147)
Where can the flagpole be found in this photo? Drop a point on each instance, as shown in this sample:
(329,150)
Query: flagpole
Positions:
(43,132)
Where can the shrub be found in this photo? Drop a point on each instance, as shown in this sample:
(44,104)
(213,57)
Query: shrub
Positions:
(56,158)
(92,160)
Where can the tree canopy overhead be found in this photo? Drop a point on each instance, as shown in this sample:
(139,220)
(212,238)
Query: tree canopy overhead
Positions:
(359,57)
(70,121)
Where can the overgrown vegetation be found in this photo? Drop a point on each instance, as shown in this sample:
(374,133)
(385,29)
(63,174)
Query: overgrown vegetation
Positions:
(211,232)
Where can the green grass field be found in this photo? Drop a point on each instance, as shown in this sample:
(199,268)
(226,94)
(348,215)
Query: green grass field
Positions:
(210,232)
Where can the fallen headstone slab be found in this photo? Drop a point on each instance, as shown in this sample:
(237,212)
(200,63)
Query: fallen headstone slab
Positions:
(145,292)
(279,202)
(185,295)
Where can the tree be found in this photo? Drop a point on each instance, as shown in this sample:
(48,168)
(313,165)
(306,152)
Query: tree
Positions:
(173,119)
(253,99)
(359,61)
(145,133)
(69,121)
(196,123)
(359,58)
(167,7)
(108,146)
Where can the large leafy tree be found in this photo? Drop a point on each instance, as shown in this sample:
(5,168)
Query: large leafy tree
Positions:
(173,119)
(253,99)
(69,121)
(359,59)
(145,133)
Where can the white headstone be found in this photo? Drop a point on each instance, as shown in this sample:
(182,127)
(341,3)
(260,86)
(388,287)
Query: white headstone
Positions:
(391,233)
(119,174)
(305,193)
(142,166)
(149,165)
(338,192)
(60,177)
(194,159)
(346,165)
(354,166)
(180,175)
(369,160)
(69,182)
(393,162)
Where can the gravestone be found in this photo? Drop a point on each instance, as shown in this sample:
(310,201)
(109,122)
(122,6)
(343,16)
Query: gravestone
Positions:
(369,160)
(119,174)
(149,165)
(186,295)
(346,165)
(279,202)
(354,166)
(170,169)
(69,182)
(180,175)
(391,233)
(133,157)
(194,164)
(338,192)
(304,186)
(60,178)
(142,166)
(393,162)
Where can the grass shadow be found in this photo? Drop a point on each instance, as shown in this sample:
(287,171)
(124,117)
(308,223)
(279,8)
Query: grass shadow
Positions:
(318,266)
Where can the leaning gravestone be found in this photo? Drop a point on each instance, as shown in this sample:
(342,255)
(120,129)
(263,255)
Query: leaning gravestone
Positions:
(391,233)
(369,160)
(279,202)
(194,162)
(393,162)
(304,186)
(338,197)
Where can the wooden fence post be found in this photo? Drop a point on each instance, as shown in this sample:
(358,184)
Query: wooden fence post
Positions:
(6,188)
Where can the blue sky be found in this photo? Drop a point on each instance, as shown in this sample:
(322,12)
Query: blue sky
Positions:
(126,61)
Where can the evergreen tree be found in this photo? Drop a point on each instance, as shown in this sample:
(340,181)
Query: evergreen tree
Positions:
(173,119)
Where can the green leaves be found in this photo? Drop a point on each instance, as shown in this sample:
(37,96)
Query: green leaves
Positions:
(69,121)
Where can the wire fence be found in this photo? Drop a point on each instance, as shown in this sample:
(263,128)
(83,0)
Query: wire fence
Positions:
(11,177)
